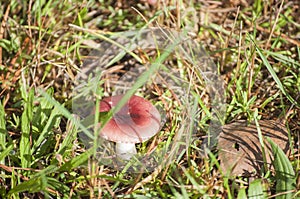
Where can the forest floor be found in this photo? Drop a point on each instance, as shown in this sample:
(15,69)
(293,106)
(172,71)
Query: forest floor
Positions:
(249,71)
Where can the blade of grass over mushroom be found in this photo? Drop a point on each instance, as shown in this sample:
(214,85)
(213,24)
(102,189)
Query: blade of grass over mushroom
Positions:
(285,174)
(66,113)
(144,77)
(274,75)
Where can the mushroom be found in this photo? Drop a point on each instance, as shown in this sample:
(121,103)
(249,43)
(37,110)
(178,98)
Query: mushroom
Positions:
(136,122)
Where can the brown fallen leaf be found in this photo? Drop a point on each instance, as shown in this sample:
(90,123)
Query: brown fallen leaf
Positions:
(240,150)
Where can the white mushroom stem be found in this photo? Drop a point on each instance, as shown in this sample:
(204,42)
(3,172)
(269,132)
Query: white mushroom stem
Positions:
(125,150)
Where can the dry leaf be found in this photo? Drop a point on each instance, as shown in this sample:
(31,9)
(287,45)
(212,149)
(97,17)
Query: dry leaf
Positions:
(240,149)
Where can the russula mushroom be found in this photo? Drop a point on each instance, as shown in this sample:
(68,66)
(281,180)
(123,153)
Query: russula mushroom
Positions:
(136,122)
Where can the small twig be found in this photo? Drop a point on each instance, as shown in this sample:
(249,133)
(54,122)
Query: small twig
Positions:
(29,18)
(281,194)
(221,10)
(250,75)
(178,14)
(282,35)
(289,111)
(2,28)
(144,18)
(228,38)
(10,169)
(238,65)
(274,25)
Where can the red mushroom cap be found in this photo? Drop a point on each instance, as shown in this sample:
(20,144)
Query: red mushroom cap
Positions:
(136,122)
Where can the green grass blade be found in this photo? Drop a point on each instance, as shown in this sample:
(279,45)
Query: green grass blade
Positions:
(194,182)
(66,113)
(256,190)
(32,185)
(76,161)
(242,194)
(71,133)
(283,58)
(275,77)
(49,125)
(55,184)
(26,119)
(5,152)
(285,174)
(260,137)
(2,133)
(38,182)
